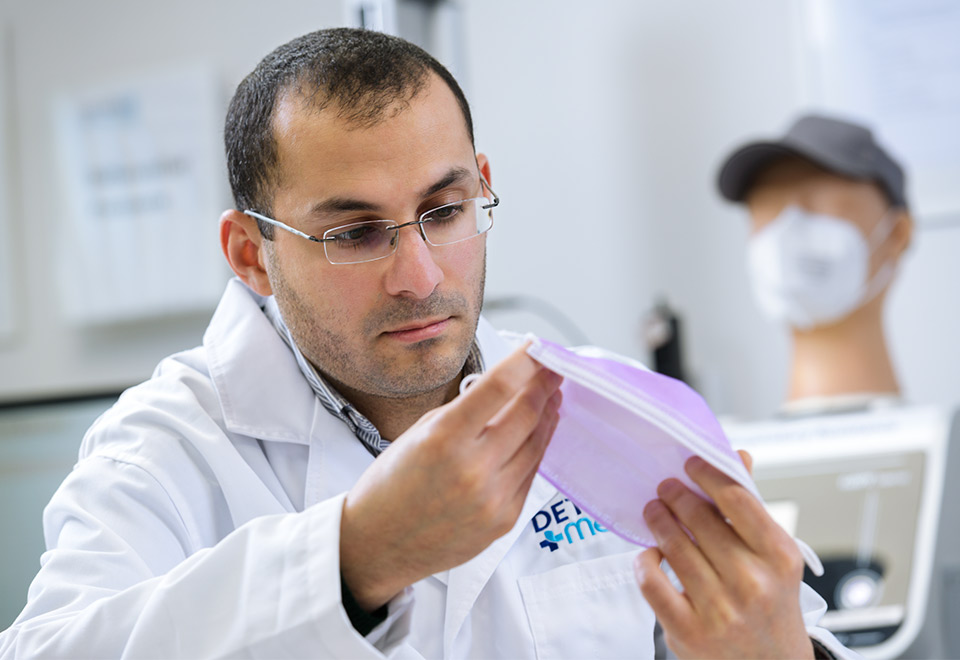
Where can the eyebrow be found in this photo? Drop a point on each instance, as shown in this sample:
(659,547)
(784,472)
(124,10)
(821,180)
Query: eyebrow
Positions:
(455,175)
(346,204)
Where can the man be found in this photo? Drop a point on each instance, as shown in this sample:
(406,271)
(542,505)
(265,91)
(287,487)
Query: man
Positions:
(829,224)
(232,505)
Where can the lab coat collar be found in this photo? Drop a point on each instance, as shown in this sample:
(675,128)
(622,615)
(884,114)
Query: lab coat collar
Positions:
(261,390)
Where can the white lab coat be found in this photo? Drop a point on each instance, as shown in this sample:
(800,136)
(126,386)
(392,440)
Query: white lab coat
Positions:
(202,521)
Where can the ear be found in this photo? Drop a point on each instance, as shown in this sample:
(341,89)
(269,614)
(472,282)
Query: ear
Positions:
(902,232)
(484,164)
(243,246)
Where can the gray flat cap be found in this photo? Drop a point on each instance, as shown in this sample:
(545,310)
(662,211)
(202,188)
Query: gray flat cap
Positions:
(835,145)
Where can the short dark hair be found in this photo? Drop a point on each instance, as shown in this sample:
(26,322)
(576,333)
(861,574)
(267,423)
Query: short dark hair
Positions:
(360,73)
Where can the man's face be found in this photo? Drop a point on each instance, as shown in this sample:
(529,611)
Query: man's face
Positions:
(403,325)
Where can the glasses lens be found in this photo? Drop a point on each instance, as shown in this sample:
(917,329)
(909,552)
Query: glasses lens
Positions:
(458,221)
(361,241)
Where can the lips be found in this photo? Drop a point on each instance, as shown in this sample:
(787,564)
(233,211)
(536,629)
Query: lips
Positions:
(419,324)
(419,330)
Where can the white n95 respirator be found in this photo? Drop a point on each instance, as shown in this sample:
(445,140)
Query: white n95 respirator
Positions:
(811,269)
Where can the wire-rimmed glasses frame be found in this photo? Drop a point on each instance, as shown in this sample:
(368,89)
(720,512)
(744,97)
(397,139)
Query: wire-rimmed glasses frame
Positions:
(379,238)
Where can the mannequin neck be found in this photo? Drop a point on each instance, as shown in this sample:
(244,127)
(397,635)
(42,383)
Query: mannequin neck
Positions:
(847,357)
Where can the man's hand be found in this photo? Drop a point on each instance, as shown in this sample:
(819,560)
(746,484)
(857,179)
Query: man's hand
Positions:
(450,485)
(740,573)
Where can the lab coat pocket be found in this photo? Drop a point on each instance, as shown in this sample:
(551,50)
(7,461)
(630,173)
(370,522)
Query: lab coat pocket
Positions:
(589,609)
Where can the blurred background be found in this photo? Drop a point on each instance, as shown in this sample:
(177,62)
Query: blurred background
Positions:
(605,123)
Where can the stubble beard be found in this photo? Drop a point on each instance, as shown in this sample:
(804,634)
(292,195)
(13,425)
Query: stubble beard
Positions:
(342,360)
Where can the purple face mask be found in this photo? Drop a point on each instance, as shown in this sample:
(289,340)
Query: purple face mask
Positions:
(622,431)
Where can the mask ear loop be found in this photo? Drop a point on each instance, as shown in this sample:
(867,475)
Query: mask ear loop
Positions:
(468,381)
(885,273)
(883,230)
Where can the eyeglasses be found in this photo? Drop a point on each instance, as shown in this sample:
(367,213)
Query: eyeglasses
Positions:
(377,239)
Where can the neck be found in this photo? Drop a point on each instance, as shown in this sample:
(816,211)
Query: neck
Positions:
(393,416)
(848,357)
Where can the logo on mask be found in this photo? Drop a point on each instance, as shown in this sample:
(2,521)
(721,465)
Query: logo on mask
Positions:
(564,522)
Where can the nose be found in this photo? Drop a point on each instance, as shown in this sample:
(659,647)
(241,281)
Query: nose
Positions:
(413,272)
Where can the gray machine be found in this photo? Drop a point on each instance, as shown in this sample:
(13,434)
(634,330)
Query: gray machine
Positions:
(875,493)
(38,447)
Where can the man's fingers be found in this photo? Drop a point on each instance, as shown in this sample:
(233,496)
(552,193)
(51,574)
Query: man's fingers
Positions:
(747,460)
(691,567)
(522,466)
(715,539)
(745,512)
(515,475)
(536,443)
(510,427)
(470,412)
(671,607)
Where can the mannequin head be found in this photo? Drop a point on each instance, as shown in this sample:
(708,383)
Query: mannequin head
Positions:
(828,227)
(795,187)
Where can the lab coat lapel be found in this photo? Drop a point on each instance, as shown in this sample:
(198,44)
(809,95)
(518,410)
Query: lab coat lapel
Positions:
(337,458)
(262,393)
(465,582)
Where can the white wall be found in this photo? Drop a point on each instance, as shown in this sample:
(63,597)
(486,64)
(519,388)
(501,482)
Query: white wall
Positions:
(606,123)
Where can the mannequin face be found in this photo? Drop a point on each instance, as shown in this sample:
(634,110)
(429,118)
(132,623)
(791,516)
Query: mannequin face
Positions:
(798,182)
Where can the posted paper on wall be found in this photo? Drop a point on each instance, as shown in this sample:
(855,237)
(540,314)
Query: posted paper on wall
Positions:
(142,186)
(896,65)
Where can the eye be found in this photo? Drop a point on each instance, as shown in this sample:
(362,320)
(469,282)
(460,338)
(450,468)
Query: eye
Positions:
(356,234)
(446,213)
